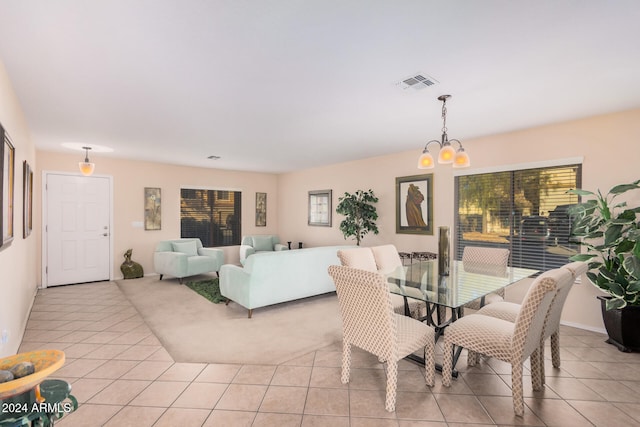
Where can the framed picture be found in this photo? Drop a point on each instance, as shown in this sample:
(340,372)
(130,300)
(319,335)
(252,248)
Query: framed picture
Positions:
(320,208)
(27,193)
(7,176)
(414,204)
(261,209)
(152,209)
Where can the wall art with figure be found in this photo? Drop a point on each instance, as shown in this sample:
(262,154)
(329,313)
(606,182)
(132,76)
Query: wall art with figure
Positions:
(414,204)
(152,209)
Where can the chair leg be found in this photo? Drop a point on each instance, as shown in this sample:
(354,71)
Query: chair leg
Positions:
(516,388)
(430,364)
(250,313)
(392,385)
(555,349)
(161,276)
(447,363)
(537,366)
(542,366)
(346,362)
(472,358)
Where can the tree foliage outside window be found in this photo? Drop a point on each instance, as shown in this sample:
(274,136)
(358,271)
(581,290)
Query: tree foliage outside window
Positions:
(525,211)
(213,216)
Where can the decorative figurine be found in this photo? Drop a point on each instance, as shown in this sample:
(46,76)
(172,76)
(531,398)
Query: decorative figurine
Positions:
(131,269)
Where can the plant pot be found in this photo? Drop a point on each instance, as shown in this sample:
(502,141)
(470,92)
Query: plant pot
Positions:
(622,326)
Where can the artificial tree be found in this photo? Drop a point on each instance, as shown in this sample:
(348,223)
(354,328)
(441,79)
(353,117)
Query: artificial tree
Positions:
(360,214)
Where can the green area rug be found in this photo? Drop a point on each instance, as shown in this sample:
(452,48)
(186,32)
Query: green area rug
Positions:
(210,289)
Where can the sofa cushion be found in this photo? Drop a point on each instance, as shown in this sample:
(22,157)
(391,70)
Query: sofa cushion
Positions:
(262,243)
(187,248)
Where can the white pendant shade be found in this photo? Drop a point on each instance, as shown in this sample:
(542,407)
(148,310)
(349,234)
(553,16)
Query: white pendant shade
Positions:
(86,168)
(461,160)
(446,155)
(426,161)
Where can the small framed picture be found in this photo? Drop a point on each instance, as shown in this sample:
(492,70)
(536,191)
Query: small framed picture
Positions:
(27,191)
(320,208)
(152,209)
(261,209)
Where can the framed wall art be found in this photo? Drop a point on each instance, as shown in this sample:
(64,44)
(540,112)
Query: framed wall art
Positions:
(414,204)
(320,208)
(261,209)
(152,209)
(27,192)
(7,153)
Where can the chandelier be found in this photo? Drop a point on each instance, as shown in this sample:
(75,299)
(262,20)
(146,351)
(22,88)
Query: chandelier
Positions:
(448,154)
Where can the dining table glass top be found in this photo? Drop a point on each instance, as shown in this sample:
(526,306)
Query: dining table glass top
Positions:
(465,282)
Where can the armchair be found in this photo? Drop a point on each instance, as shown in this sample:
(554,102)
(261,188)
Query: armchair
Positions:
(186,257)
(259,243)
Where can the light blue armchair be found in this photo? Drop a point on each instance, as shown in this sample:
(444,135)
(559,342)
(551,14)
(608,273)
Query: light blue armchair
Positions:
(186,257)
(261,243)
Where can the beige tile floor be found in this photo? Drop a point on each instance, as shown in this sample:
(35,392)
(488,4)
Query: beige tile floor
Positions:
(121,375)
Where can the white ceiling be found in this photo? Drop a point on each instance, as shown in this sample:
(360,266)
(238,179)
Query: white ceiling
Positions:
(282,85)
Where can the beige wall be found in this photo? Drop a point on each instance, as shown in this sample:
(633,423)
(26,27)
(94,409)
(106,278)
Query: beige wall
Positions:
(608,144)
(18,279)
(598,140)
(129,180)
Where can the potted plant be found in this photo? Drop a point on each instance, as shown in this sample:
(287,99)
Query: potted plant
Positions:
(611,233)
(360,214)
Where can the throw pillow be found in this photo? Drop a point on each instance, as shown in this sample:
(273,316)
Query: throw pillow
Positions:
(262,243)
(188,248)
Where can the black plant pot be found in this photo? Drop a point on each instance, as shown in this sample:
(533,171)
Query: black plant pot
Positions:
(622,325)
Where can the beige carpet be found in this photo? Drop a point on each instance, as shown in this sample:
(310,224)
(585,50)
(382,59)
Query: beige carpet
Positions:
(192,329)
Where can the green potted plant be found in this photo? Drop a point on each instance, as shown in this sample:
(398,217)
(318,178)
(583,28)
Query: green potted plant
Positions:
(360,214)
(611,233)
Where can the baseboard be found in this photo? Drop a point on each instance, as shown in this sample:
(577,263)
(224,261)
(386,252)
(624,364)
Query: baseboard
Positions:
(585,327)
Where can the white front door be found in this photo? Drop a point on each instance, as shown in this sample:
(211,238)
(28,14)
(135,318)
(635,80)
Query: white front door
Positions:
(77,229)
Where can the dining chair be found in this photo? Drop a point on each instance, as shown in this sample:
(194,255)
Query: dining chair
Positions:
(388,261)
(364,259)
(369,322)
(486,261)
(509,311)
(512,342)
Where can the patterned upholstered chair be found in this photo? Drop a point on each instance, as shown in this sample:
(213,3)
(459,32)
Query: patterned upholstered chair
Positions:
(487,261)
(509,311)
(364,259)
(370,323)
(510,342)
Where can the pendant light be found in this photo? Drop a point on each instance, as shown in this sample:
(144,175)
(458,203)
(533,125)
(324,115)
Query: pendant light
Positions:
(86,167)
(448,154)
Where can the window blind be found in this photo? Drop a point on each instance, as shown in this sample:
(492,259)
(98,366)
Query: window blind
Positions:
(213,216)
(525,211)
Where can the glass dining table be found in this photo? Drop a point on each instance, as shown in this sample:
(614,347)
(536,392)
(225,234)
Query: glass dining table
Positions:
(446,295)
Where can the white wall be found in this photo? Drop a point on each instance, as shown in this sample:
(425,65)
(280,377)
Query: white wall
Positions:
(17,260)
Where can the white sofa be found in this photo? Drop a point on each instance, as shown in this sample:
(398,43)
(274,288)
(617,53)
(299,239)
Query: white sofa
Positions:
(273,277)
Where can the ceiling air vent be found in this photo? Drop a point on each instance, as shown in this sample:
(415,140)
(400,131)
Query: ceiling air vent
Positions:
(417,82)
